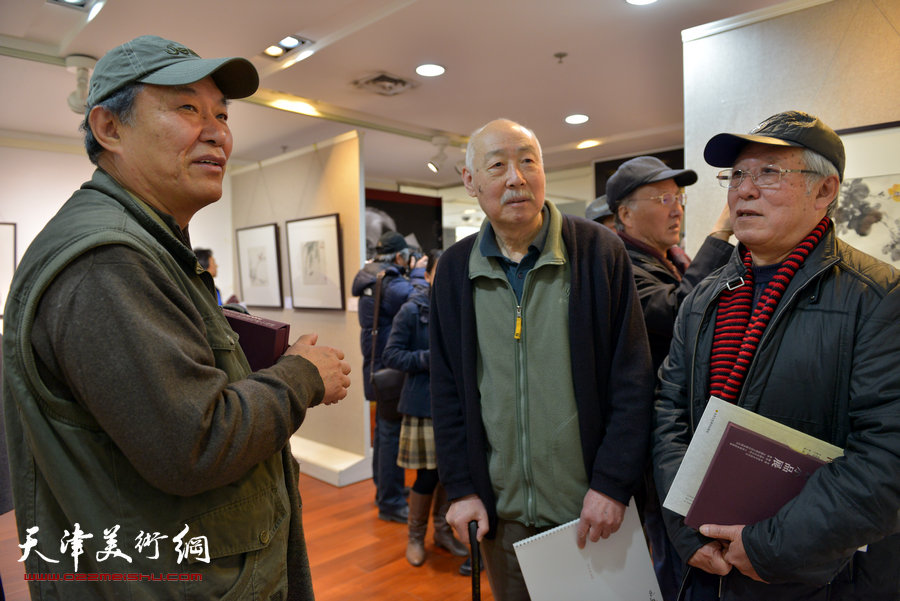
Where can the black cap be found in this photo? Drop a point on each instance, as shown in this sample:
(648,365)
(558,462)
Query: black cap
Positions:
(390,243)
(641,171)
(790,128)
(598,209)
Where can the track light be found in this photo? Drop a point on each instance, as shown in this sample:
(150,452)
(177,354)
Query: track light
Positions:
(435,162)
(81,66)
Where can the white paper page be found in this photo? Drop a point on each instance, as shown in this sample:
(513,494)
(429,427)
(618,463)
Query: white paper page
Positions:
(614,569)
(717,415)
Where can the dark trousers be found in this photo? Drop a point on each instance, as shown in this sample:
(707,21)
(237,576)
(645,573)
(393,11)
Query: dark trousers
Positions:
(388,476)
(504,573)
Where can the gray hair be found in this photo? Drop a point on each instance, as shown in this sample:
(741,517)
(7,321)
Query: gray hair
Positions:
(823,168)
(628,201)
(121,105)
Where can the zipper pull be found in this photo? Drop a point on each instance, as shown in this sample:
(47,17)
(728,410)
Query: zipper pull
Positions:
(518,333)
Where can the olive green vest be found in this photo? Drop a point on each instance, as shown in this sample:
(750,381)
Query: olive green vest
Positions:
(66,470)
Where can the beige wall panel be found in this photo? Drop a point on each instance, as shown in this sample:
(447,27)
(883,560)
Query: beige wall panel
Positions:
(323,179)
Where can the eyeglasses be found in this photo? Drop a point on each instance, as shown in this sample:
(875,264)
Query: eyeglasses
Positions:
(667,199)
(767,177)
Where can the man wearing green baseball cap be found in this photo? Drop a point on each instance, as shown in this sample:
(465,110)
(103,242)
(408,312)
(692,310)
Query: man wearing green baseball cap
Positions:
(148,461)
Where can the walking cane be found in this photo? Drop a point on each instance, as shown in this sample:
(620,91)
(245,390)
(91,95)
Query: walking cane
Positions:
(476,555)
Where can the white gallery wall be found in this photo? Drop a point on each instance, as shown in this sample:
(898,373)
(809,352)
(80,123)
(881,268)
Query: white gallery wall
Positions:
(836,59)
(333,442)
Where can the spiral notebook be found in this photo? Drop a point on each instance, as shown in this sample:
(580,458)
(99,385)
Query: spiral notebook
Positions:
(614,569)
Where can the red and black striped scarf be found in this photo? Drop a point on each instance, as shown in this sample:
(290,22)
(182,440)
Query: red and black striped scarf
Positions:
(738,330)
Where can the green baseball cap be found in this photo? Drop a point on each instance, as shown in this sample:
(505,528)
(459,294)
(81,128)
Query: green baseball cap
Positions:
(154,60)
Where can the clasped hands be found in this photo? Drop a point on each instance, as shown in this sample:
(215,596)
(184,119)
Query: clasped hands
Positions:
(330,363)
(726,551)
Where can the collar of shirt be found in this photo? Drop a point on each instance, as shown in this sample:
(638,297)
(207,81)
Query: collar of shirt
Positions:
(516,272)
(490,248)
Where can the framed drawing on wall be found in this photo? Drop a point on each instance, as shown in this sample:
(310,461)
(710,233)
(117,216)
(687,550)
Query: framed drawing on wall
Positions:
(868,211)
(7,260)
(259,265)
(315,262)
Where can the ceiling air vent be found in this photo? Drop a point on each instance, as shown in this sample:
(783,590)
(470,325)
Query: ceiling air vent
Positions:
(384,84)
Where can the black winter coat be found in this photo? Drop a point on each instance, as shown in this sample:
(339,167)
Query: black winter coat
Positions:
(662,293)
(827,364)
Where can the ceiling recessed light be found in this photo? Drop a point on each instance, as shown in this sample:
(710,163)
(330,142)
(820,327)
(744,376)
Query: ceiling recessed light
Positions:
(640,2)
(430,70)
(296,106)
(577,119)
(290,45)
(587,144)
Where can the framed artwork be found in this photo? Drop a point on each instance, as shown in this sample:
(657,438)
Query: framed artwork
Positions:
(315,262)
(7,260)
(868,211)
(259,265)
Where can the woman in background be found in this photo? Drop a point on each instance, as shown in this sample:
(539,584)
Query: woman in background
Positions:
(407,350)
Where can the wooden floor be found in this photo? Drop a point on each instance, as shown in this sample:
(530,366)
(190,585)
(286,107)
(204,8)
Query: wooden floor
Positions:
(353,555)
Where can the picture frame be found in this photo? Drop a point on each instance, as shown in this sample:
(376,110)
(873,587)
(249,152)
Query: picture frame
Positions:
(7,260)
(259,265)
(315,262)
(868,211)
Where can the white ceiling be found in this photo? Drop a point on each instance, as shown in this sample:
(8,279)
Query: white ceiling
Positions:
(623,69)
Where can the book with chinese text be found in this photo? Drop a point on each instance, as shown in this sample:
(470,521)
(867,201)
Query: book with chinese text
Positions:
(707,435)
(749,479)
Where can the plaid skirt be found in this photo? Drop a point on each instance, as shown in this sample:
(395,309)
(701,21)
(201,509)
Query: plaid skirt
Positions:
(416,444)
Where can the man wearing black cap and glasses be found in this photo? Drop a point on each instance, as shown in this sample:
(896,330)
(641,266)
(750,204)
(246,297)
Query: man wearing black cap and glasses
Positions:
(647,198)
(140,441)
(818,338)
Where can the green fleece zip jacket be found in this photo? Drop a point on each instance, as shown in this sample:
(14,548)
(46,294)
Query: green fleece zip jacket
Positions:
(528,400)
(137,433)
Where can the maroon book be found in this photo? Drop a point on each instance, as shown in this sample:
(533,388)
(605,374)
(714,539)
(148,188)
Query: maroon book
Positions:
(749,479)
(263,340)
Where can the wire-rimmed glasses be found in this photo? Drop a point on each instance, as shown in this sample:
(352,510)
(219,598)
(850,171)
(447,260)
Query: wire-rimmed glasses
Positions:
(668,198)
(765,177)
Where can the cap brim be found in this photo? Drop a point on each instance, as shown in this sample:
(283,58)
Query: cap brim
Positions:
(236,77)
(723,149)
(682,177)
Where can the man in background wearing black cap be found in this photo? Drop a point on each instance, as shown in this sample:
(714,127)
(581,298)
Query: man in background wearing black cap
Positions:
(803,329)
(392,256)
(647,198)
(598,210)
(140,442)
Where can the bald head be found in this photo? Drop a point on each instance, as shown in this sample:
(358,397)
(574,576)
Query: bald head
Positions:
(497,125)
(505,172)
